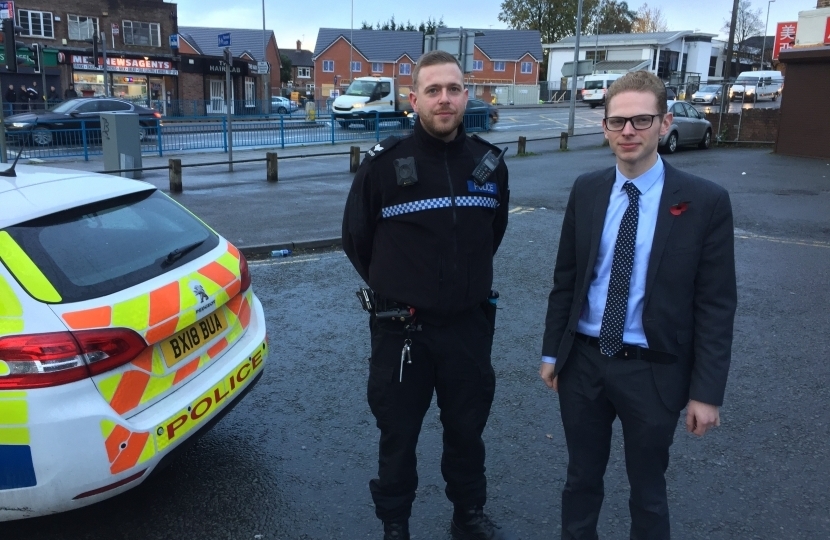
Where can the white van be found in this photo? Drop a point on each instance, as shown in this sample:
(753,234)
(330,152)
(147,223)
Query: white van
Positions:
(595,87)
(750,86)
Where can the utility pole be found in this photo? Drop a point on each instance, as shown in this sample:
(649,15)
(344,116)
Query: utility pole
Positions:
(724,102)
(266,101)
(104,55)
(764,43)
(228,104)
(575,70)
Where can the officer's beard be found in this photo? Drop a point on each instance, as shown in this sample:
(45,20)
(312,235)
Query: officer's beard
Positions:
(440,130)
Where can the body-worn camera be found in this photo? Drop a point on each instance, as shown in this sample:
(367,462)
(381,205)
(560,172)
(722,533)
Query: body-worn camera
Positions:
(405,172)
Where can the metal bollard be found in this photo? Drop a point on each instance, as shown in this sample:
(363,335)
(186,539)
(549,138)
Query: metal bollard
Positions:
(354,158)
(271,165)
(563,140)
(175,175)
(522,150)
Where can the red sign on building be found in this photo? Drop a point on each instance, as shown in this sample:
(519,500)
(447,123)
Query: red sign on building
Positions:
(784,37)
(827,32)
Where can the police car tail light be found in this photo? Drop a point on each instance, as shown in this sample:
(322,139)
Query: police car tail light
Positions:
(52,359)
(109,348)
(244,273)
(40,360)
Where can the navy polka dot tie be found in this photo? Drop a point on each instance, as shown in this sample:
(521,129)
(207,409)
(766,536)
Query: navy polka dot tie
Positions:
(613,318)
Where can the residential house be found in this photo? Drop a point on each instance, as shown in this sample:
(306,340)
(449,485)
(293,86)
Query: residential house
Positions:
(302,71)
(384,53)
(139,63)
(676,57)
(203,70)
(505,65)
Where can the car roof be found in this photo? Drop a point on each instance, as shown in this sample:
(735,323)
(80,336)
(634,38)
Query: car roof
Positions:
(38,191)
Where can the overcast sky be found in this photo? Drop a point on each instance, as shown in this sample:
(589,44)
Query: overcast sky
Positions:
(295,20)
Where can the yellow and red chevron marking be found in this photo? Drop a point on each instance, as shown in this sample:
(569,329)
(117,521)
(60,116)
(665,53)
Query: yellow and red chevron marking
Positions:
(125,448)
(167,309)
(147,377)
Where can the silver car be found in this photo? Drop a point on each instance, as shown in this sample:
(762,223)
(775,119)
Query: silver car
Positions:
(709,94)
(688,127)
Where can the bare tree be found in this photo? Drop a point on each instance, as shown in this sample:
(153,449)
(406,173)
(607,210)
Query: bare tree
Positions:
(649,19)
(747,24)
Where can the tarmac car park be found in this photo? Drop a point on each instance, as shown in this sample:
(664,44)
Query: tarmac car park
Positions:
(127,329)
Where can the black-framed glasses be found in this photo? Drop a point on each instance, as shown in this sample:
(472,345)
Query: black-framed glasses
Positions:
(639,122)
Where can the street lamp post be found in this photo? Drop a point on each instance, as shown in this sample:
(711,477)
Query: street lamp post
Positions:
(764,42)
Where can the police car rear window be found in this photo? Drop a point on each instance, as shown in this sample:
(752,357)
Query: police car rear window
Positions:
(102,248)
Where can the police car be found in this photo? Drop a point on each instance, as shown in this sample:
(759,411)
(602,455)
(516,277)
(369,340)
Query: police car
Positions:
(127,328)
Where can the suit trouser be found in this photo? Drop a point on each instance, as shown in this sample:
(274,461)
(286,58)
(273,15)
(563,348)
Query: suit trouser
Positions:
(593,390)
(454,361)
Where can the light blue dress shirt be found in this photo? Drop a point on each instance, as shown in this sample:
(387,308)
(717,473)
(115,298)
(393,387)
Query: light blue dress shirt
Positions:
(650,185)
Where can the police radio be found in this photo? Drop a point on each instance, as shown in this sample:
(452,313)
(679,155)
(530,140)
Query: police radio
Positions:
(486,166)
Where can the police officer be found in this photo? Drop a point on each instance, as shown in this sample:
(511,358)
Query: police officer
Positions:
(421,230)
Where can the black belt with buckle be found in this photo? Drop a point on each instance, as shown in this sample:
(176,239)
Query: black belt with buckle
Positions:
(632,352)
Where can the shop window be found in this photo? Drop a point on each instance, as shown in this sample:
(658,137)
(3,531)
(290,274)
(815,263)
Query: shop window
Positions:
(406,69)
(141,33)
(303,73)
(328,65)
(82,27)
(527,67)
(36,23)
(498,66)
(250,92)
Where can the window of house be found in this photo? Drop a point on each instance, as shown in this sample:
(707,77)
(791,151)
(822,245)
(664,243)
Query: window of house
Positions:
(377,67)
(141,33)
(309,88)
(250,92)
(527,67)
(405,69)
(36,23)
(596,56)
(478,65)
(357,66)
(82,27)
(303,73)
(328,65)
(498,66)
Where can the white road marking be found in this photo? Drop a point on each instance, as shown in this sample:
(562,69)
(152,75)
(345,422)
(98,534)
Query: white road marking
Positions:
(751,236)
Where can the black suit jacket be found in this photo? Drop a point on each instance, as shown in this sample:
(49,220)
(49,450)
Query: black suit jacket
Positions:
(691,293)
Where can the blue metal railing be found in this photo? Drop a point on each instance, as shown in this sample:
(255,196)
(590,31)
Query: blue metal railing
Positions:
(182,134)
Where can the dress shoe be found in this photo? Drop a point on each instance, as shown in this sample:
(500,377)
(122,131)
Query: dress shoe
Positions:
(396,530)
(473,524)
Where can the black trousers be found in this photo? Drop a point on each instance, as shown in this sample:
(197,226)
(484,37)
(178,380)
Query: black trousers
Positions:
(452,359)
(594,389)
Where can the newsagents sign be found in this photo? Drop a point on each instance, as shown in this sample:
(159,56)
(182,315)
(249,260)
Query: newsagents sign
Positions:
(126,65)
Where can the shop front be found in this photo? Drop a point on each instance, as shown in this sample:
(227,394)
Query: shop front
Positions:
(146,81)
(244,90)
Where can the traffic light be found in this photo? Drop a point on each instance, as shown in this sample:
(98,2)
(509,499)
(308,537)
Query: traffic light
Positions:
(94,42)
(10,45)
(35,48)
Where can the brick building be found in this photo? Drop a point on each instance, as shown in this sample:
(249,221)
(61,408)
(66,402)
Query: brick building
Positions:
(302,71)
(139,63)
(381,53)
(203,70)
(505,65)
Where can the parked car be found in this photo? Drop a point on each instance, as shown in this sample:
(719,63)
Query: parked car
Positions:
(63,123)
(671,92)
(282,105)
(474,115)
(710,94)
(129,328)
(688,127)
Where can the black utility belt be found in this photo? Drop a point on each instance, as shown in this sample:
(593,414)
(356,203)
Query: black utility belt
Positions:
(632,352)
(384,308)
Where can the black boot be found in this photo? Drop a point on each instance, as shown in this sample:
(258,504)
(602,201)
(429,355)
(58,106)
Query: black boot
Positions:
(396,530)
(473,524)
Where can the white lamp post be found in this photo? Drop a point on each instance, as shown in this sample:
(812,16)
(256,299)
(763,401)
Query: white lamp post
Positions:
(764,42)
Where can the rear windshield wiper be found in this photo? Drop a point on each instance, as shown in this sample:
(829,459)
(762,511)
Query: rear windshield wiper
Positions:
(178,253)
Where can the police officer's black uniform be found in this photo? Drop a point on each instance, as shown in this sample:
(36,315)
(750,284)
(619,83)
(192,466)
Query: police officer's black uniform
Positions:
(424,237)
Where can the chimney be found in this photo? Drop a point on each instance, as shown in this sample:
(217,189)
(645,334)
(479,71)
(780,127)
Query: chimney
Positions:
(299,43)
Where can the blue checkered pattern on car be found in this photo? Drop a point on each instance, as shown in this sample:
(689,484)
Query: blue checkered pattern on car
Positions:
(442,202)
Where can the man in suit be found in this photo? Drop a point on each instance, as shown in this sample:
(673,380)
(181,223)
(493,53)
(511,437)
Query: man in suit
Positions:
(639,321)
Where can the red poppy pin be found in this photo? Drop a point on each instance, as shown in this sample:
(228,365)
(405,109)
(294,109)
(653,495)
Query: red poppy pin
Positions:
(679,208)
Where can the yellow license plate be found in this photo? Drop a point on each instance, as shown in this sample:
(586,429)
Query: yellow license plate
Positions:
(205,406)
(182,344)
